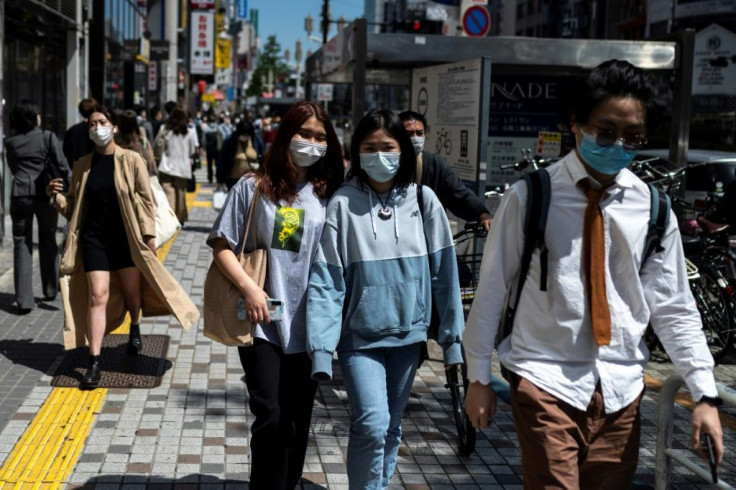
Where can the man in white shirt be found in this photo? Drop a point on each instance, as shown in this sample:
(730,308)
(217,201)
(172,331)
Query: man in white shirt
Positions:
(576,394)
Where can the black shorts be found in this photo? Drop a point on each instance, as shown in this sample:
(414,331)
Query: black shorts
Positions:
(105,255)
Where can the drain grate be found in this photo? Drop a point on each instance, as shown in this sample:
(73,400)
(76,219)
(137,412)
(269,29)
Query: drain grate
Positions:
(119,369)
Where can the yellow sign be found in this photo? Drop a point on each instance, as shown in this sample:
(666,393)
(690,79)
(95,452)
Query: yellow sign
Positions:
(223,53)
(549,143)
(208,98)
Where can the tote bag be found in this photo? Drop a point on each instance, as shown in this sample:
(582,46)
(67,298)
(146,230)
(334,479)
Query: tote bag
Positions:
(166,222)
(221,322)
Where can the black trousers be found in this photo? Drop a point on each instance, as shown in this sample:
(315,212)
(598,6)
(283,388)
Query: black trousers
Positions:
(22,211)
(211,161)
(281,396)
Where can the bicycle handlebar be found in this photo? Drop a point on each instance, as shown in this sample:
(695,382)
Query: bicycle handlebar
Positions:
(471,229)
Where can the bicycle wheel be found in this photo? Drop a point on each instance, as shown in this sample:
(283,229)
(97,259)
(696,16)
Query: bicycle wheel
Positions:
(716,311)
(457,383)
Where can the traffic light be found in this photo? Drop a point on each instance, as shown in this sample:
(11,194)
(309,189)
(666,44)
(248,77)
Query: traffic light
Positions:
(420,27)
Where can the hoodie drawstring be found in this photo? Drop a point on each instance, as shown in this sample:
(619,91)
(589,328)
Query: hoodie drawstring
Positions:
(393,202)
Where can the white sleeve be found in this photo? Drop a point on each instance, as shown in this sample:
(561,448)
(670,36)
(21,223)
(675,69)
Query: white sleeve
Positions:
(500,264)
(674,316)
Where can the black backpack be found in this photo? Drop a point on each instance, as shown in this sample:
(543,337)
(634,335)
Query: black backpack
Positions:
(535,222)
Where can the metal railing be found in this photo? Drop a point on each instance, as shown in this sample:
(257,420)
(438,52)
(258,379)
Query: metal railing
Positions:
(665,422)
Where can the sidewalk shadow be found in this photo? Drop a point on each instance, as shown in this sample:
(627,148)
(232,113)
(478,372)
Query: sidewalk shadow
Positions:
(39,356)
(197,229)
(7,304)
(193,481)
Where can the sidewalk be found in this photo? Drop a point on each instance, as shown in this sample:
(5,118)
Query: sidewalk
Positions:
(193,430)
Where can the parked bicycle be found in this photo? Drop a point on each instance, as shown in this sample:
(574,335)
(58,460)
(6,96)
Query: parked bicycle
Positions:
(457,376)
(709,262)
(529,161)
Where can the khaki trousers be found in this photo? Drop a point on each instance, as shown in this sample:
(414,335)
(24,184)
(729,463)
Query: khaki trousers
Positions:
(175,189)
(563,447)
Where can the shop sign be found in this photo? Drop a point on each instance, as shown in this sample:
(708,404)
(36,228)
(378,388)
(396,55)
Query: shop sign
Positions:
(203,4)
(202,43)
(152,76)
(159,50)
(695,8)
(324,92)
(714,66)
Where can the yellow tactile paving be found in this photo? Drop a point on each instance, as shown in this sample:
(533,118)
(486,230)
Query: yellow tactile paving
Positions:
(46,454)
(48,450)
(202,204)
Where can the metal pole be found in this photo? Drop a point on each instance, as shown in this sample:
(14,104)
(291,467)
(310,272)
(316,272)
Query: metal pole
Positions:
(360,48)
(665,420)
(3,175)
(681,96)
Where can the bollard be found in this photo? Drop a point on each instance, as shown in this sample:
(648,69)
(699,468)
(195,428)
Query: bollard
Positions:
(665,422)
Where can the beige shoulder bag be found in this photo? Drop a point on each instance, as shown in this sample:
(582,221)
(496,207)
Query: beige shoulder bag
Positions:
(226,321)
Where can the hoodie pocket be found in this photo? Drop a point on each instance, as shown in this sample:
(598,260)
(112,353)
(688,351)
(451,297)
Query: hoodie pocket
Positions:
(387,309)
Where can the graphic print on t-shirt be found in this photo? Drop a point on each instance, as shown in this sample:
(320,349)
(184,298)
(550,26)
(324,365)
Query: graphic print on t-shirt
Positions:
(288,227)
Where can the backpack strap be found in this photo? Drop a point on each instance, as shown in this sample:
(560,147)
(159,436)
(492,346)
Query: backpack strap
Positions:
(420,200)
(535,221)
(659,217)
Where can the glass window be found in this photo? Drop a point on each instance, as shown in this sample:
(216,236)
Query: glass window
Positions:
(108,18)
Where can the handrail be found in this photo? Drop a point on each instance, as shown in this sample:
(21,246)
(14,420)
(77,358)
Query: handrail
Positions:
(665,421)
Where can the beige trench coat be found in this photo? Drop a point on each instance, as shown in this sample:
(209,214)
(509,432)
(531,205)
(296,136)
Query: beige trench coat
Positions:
(162,294)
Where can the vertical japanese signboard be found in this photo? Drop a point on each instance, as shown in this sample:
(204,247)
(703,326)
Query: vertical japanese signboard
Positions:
(241,9)
(202,43)
(152,76)
(454,98)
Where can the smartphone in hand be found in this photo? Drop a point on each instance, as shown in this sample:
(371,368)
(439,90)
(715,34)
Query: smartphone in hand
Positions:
(711,458)
(275,309)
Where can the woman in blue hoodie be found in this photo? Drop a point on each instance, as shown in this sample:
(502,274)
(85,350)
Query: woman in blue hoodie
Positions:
(380,264)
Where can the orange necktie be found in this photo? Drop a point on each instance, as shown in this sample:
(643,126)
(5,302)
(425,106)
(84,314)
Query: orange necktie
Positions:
(594,259)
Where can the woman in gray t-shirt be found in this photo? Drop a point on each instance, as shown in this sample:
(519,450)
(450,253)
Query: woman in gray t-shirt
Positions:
(300,173)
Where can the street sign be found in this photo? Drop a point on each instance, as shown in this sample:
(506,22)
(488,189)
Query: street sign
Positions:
(476,21)
(324,92)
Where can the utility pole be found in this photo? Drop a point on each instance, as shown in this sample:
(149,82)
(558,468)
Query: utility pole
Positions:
(325,20)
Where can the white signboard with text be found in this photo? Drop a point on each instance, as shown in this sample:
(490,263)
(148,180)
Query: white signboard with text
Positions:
(202,43)
(714,69)
(449,98)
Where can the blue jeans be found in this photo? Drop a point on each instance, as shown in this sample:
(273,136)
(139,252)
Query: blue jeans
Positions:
(378,383)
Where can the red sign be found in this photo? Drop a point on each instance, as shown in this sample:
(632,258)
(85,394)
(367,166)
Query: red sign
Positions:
(152,76)
(203,4)
(476,21)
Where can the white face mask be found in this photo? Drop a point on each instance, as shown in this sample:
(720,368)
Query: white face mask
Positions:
(418,143)
(381,166)
(304,153)
(101,135)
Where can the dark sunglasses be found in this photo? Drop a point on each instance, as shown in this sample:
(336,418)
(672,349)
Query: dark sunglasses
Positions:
(631,142)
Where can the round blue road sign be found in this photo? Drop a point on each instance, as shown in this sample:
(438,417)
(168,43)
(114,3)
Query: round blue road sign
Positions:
(476,21)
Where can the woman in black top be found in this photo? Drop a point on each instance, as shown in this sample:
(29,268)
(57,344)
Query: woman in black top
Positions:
(104,244)
(27,150)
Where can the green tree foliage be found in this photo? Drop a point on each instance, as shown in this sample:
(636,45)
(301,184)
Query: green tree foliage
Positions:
(269,60)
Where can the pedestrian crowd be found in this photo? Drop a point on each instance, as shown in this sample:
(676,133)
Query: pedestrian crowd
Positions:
(361,265)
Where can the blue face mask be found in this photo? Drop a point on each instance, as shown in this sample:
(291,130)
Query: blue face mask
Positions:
(608,160)
(381,166)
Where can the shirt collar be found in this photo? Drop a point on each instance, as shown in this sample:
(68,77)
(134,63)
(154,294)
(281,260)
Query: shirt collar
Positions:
(577,172)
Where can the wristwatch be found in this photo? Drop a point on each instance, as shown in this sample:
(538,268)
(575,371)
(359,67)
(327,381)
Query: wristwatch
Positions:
(713,401)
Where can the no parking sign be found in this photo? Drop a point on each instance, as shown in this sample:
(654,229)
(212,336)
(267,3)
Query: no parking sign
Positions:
(476,21)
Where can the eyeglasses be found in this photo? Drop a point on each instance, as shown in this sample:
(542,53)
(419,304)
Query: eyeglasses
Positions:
(630,142)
